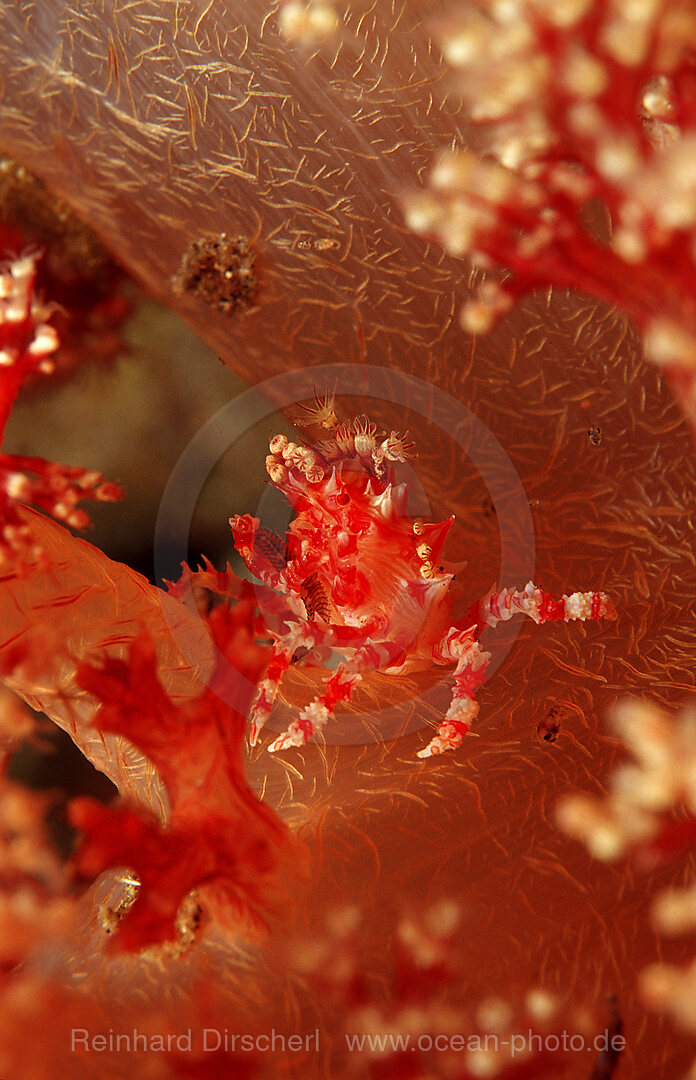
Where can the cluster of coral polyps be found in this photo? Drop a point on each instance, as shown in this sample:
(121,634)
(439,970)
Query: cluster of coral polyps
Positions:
(410,1028)
(662,777)
(574,104)
(27,341)
(650,813)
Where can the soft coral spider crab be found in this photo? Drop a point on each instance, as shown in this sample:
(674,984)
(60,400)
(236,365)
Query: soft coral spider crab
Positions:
(362,579)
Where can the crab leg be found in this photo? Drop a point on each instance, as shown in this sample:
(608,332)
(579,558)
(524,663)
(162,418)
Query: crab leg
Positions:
(339,687)
(308,636)
(540,606)
(281,659)
(315,715)
(462,647)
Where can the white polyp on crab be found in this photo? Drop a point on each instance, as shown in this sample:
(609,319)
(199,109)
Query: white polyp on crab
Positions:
(293,456)
(364,436)
(315,473)
(654,789)
(278,444)
(580,818)
(530,245)
(310,457)
(14,533)
(494,1015)
(277,472)
(329,450)
(586,119)
(309,463)
(396,447)
(378,461)
(674,911)
(321,413)
(460,230)
(344,439)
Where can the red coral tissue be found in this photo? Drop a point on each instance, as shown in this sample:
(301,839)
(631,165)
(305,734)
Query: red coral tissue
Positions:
(218,839)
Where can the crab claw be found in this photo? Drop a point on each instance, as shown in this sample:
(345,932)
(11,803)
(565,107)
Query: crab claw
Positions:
(450,736)
(311,720)
(283,742)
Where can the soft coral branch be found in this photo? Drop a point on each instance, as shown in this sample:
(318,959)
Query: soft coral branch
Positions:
(83,606)
(219,839)
(577,102)
(649,813)
(27,341)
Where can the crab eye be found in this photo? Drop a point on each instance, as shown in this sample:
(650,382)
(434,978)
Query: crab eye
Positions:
(342,499)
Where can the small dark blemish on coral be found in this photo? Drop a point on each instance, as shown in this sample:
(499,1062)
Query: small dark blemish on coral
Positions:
(549,727)
(220,271)
(594,434)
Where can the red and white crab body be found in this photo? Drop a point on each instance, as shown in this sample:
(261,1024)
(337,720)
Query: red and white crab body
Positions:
(357,578)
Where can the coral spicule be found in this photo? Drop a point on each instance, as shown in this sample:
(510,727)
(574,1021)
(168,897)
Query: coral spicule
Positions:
(220,270)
